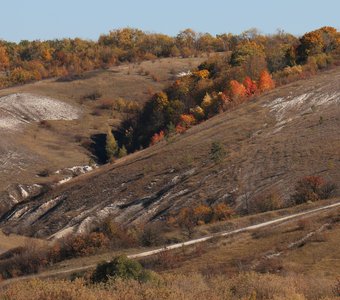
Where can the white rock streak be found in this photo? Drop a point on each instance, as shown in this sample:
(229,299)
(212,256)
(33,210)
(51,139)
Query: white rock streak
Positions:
(19,109)
(288,108)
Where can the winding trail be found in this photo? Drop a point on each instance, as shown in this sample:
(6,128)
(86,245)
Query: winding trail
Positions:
(178,245)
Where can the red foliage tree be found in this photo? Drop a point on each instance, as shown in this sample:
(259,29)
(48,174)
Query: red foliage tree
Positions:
(157,137)
(308,189)
(250,86)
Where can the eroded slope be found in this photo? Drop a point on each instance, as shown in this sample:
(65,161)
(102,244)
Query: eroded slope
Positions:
(271,142)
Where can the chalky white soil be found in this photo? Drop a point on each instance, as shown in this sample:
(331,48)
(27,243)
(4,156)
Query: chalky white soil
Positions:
(19,109)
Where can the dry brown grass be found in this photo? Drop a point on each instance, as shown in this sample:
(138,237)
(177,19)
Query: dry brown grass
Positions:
(195,286)
(51,144)
(258,160)
(275,250)
(8,242)
(223,268)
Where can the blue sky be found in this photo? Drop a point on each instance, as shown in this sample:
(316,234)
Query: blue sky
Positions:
(38,19)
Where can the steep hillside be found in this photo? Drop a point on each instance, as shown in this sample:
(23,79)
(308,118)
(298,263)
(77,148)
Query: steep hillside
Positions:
(271,142)
(54,124)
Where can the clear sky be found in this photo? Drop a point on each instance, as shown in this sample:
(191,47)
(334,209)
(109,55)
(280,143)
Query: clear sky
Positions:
(43,19)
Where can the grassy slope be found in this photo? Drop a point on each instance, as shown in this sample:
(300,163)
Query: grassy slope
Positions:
(316,256)
(220,268)
(13,241)
(59,146)
(247,251)
(260,156)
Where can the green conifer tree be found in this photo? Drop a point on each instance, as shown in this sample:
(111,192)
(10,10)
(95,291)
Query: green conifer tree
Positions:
(111,146)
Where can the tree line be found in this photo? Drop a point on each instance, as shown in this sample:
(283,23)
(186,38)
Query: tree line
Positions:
(254,64)
(28,61)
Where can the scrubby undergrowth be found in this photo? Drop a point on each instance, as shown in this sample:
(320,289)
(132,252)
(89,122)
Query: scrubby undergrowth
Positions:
(242,286)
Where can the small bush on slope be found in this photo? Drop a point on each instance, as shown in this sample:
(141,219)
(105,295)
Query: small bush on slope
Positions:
(312,188)
(120,267)
(217,152)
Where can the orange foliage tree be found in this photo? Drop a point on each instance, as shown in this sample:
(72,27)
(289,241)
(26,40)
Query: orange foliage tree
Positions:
(237,90)
(202,213)
(186,121)
(4,59)
(265,82)
(322,40)
(203,74)
(222,212)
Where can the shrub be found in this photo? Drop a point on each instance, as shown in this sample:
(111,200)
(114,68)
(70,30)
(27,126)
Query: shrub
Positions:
(106,104)
(93,96)
(187,120)
(198,113)
(312,188)
(266,202)
(162,261)
(20,75)
(118,236)
(125,106)
(336,288)
(83,245)
(45,124)
(122,152)
(23,260)
(288,74)
(273,265)
(328,190)
(202,213)
(217,152)
(303,224)
(120,267)
(157,137)
(180,129)
(189,217)
(44,173)
(193,286)
(152,235)
(222,212)
(201,74)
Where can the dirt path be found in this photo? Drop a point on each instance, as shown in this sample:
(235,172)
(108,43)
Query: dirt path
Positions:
(179,245)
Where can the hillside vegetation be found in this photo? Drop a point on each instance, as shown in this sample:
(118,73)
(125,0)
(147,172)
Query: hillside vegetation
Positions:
(270,143)
(69,58)
(141,141)
(255,65)
(243,146)
(261,264)
(32,129)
